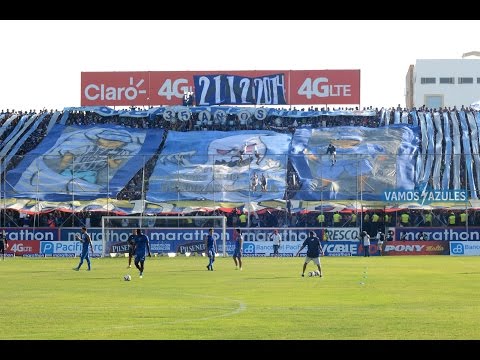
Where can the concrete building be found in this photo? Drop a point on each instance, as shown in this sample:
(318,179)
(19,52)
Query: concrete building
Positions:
(442,83)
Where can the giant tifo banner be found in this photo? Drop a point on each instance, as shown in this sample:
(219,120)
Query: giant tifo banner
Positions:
(368,161)
(84,162)
(269,87)
(221,166)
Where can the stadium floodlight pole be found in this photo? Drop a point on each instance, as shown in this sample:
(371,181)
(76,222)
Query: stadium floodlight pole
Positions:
(143,188)
(37,208)
(356,197)
(108,185)
(2,195)
(321,192)
(361,196)
(213,183)
(466,197)
(73,190)
(288,192)
(249,204)
(177,187)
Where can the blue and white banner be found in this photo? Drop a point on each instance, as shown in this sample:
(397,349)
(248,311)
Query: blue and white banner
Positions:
(239,90)
(368,161)
(221,166)
(155,111)
(107,111)
(83,162)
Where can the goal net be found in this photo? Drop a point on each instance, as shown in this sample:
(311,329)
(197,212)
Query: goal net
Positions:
(167,234)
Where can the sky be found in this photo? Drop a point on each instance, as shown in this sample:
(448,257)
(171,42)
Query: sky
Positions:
(42,60)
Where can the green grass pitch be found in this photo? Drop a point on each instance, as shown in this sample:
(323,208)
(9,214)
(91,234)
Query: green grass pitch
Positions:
(403,297)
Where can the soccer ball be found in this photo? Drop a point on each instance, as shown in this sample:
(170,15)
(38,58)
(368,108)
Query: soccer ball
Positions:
(317,273)
(127,277)
(311,273)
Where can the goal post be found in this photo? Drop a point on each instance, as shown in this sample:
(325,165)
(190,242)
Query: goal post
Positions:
(176,231)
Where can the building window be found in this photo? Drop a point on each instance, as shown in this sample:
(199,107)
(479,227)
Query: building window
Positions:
(429,80)
(434,101)
(465,80)
(447,80)
(478,80)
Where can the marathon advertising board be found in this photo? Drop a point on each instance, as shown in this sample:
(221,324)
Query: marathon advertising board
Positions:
(437,233)
(416,248)
(68,234)
(255,87)
(38,234)
(464,248)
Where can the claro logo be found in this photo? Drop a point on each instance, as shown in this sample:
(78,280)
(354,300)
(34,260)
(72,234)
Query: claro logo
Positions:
(102,92)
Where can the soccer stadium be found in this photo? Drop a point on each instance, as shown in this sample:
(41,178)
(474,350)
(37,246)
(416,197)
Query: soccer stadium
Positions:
(204,166)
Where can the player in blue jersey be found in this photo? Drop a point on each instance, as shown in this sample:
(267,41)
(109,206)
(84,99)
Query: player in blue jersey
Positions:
(237,252)
(314,248)
(86,241)
(142,246)
(211,248)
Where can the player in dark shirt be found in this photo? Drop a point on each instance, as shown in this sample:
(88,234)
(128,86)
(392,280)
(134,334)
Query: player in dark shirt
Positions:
(333,153)
(3,243)
(131,247)
(142,246)
(314,248)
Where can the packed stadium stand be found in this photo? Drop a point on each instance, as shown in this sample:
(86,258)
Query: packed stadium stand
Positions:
(59,168)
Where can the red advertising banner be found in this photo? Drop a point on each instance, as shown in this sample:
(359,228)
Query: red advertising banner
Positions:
(167,88)
(325,87)
(416,248)
(115,88)
(21,247)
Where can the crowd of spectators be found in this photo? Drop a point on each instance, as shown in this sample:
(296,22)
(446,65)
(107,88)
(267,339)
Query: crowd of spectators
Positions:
(286,124)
